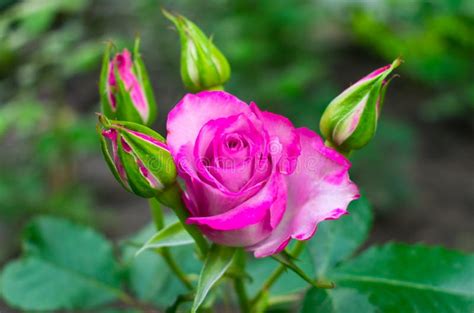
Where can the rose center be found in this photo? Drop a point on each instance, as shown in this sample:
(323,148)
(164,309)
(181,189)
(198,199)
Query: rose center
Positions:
(234,143)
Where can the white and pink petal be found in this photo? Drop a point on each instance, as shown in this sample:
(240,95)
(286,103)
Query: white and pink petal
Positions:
(188,117)
(319,189)
(268,202)
(284,142)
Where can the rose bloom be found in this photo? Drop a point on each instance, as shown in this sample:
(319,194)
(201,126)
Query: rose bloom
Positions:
(252,179)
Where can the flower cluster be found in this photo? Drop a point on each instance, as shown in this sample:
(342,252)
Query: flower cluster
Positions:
(251,178)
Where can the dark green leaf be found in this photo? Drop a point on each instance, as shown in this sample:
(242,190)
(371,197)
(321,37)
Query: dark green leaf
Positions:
(64,266)
(218,260)
(339,300)
(171,236)
(335,241)
(411,278)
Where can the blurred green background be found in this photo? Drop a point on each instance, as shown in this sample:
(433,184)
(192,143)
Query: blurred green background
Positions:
(288,57)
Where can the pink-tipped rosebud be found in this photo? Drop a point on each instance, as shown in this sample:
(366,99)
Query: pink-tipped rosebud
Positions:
(350,120)
(203,66)
(125,89)
(137,156)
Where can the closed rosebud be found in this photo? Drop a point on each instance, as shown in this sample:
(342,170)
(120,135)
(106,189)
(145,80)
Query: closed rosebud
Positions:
(350,120)
(125,89)
(137,156)
(203,66)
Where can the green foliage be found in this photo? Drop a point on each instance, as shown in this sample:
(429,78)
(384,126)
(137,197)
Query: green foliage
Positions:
(172,235)
(218,260)
(40,151)
(436,40)
(148,277)
(339,300)
(335,241)
(63,266)
(37,167)
(43,138)
(400,278)
(24,116)
(390,278)
(67,266)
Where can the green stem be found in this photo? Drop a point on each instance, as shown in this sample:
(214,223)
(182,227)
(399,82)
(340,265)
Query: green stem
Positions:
(171,197)
(157,213)
(175,268)
(298,248)
(158,219)
(239,286)
(239,283)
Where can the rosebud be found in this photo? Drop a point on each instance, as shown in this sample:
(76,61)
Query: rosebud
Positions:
(350,120)
(137,156)
(125,89)
(203,66)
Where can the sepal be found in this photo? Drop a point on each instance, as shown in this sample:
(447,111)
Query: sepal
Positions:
(138,158)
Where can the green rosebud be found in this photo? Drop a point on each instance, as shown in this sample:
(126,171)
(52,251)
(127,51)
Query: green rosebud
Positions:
(125,89)
(350,120)
(137,156)
(203,66)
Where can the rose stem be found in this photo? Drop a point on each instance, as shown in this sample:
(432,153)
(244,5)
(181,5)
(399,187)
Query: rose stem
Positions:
(158,219)
(171,197)
(298,248)
(239,283)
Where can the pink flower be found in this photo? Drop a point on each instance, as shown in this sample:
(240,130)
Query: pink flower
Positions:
(252,179)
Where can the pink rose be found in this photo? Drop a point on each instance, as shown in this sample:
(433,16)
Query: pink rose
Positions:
(252,179)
